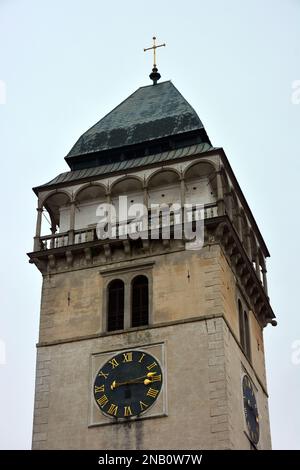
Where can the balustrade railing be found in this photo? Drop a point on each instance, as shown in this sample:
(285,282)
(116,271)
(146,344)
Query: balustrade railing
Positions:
(128,228)
(57,240)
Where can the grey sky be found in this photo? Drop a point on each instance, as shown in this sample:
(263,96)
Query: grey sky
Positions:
(67,63)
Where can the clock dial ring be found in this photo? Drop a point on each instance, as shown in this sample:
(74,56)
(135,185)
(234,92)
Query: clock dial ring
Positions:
(128,384)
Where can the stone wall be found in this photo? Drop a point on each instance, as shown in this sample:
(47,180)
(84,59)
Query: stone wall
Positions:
(194,317)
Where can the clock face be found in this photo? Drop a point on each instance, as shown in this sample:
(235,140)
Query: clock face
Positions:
(128,384)
(250,408)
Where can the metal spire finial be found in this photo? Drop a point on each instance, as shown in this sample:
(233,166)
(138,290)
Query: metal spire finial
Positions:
(154,75)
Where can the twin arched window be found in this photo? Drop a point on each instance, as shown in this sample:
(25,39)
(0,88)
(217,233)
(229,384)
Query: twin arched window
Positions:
(244,330)
(139,303)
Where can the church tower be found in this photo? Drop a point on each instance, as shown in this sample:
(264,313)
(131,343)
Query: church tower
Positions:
(151,324)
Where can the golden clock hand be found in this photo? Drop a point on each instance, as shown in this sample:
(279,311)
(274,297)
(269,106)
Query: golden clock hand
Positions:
(128,382)
(147,382)
(144,379)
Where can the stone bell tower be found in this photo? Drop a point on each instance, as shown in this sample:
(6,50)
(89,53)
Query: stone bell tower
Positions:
(142,337)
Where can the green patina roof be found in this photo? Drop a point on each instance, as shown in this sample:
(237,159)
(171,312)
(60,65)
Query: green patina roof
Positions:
(154,124)
(150,113)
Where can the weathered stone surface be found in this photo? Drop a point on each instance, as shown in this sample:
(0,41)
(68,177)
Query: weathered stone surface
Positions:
(204,362)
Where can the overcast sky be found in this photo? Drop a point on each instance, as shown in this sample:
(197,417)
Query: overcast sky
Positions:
(65,63)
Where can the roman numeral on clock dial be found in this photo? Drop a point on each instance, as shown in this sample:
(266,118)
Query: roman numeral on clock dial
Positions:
(127,357)
(114,363)
(152,393)
(113,409)
(102,401)
(127,411)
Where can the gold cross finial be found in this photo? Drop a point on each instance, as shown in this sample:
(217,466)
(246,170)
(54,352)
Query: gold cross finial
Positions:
(154,47)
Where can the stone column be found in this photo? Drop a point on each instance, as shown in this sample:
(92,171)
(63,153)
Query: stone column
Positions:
(264,275)
(53,232)
(127,304)
(220,194)
(72,224)
(182,192)
(36,244)
(108,201)
(228,205)
(108,197)
(145,195)
(239,225)
(248,240)
(257,266)
(146,215)
(182,199)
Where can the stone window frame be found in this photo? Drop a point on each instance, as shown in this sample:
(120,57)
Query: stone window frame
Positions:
(126,274)
(245,311)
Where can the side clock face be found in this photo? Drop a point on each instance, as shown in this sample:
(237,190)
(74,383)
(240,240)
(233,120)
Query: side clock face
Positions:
(250,408)
(128,384)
